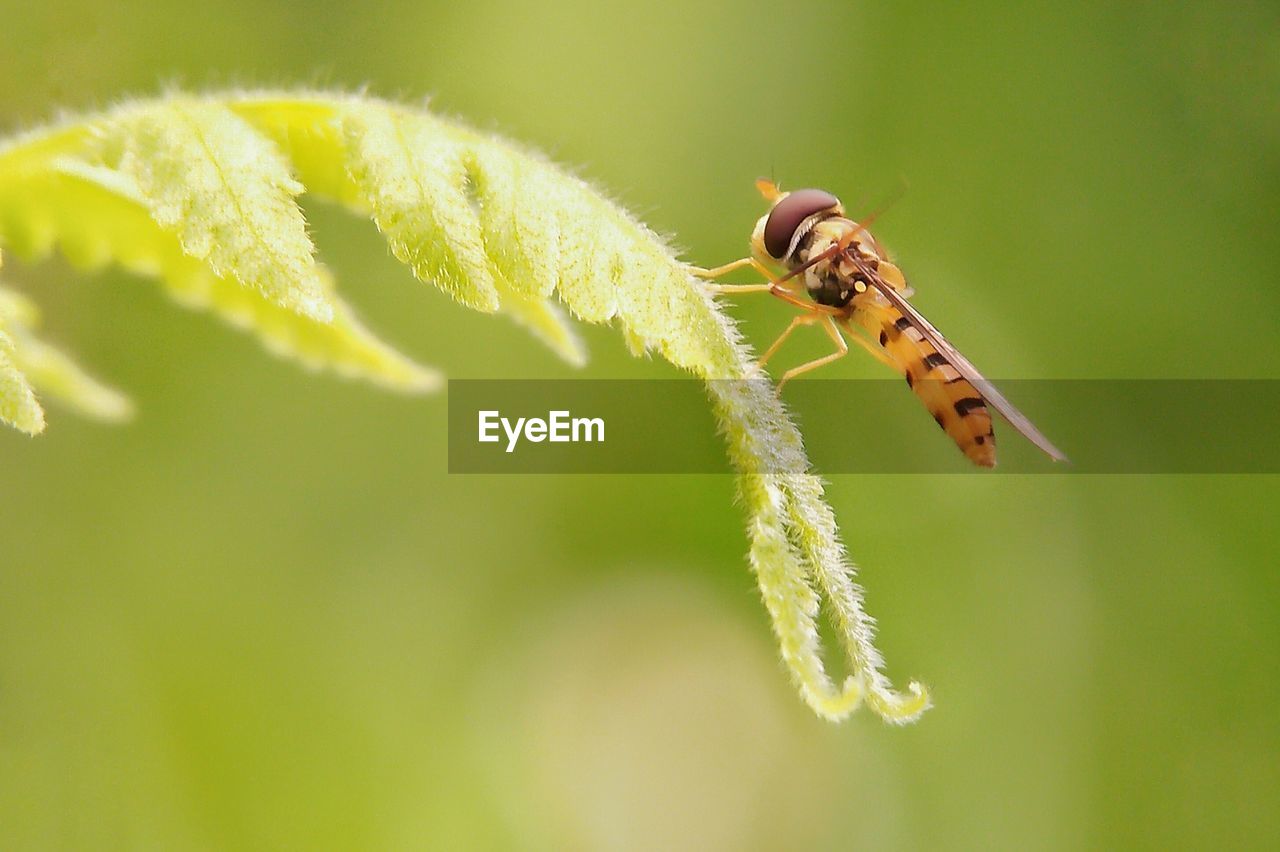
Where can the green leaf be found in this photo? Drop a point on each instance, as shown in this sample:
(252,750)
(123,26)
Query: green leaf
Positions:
(226,191)
(51,370)
(97,216)
(18,406)
(200,192)
(511,266)
(413,178)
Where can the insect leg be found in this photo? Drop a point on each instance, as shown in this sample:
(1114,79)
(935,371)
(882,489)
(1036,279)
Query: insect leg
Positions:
(880,354)
(775,286)
(740,263)
(796,322)
(842,349)
(792,299)
(739,288)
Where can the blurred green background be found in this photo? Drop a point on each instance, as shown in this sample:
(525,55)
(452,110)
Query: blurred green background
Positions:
(264,617)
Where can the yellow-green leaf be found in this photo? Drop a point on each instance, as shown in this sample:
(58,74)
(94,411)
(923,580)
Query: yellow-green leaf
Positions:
(413,178)
(227,192)
(514,263)
(493,225)
(18,406)
(52,371)
(97,216)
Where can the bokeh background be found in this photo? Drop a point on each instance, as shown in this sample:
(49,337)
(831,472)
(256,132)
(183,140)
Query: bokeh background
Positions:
(264,617)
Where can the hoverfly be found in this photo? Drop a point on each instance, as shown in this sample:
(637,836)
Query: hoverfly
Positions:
(852,286)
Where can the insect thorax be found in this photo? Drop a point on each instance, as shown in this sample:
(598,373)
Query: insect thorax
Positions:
(830,282)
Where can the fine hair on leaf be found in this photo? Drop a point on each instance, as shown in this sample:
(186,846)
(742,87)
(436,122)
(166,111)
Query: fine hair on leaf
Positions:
(200,192)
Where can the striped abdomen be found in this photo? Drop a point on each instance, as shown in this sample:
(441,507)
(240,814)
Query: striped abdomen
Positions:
(954,402)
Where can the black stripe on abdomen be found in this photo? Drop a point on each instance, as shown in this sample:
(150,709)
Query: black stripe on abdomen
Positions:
(935,359)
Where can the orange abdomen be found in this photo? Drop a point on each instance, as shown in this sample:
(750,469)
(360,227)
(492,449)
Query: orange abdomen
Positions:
(952,400)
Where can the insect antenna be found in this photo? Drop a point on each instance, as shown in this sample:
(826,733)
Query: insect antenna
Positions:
(768,187)
(843,245)
(892,199)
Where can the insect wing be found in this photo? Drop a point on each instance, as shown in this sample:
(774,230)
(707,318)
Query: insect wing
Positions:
(1016,418)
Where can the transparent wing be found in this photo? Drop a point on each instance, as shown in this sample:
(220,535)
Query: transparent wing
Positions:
(994,398)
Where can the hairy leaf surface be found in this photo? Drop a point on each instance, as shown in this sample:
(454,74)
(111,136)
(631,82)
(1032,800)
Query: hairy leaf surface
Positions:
(201,192)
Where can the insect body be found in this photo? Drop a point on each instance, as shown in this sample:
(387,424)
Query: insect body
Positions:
(852,286)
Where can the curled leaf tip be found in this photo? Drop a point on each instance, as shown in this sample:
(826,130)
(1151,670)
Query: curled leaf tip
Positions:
(900,709)
(836,706)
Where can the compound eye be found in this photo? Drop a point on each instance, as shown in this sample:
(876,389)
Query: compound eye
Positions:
(789,213)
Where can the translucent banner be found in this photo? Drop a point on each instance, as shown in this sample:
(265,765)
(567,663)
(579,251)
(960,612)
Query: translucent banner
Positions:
(866,426)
